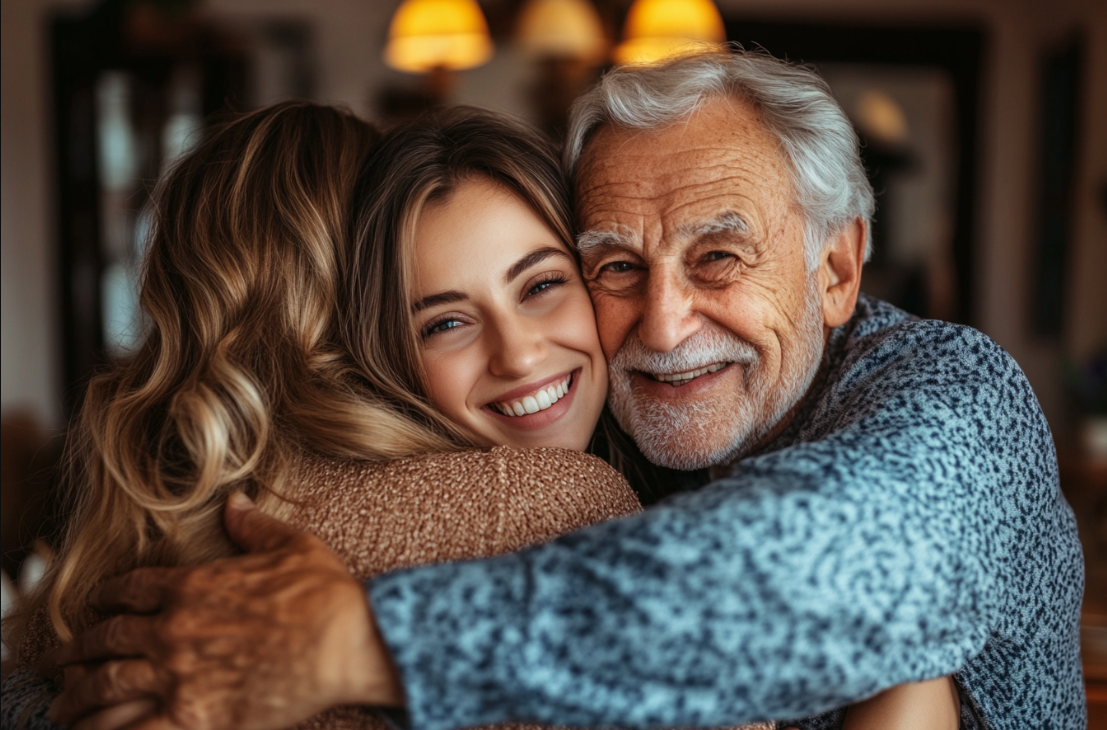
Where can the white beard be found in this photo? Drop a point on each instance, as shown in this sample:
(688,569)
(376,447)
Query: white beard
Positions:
(702,432)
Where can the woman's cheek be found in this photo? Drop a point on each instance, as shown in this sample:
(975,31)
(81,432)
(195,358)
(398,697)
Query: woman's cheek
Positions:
(576,330)
(577,325)
(445,391)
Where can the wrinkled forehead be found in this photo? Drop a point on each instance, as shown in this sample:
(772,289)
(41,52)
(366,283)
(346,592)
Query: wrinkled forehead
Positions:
(719,159)
(724,138)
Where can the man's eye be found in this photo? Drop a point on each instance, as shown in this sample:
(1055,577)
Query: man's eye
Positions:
(717,256)
(617,267)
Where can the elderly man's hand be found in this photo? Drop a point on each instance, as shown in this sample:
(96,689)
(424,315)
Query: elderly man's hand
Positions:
(257,641)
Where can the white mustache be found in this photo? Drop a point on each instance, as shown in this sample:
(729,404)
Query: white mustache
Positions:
(706,347)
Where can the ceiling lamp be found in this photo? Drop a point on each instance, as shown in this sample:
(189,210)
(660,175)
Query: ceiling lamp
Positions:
(561,29)
(657,29)
(426,35)
(882,119)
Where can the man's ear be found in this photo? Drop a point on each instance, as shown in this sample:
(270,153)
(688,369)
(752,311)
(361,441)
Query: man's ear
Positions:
(840,272)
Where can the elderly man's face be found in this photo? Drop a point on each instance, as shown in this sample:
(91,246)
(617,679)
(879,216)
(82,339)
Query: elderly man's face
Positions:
(693,252)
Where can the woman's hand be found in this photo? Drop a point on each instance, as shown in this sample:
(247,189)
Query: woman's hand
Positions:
(257,641)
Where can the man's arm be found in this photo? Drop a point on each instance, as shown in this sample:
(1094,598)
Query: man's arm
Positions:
(810,578)
(787,590)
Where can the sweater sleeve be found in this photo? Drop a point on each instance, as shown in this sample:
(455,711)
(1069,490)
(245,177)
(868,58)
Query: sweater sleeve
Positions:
(810,577)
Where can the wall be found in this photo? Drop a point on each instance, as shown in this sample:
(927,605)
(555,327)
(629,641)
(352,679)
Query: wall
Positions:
(1088,304)
(29,345)
(348,37)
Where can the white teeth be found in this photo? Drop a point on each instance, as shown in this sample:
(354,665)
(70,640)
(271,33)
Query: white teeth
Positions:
(540,401)
(682,378)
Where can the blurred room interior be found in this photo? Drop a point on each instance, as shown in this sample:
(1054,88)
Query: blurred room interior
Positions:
(983,124)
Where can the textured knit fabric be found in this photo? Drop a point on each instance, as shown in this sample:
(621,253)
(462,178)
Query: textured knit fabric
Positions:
(908,524)
(383,516)
(378,517)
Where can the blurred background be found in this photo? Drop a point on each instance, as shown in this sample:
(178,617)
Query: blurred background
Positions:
(984,125)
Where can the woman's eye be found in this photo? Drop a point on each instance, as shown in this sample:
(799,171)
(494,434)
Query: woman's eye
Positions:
(440,326)
(540,287)
(545,284)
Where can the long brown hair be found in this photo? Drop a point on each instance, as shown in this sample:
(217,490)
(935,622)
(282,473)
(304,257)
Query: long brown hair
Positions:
(417,165)
(241,370)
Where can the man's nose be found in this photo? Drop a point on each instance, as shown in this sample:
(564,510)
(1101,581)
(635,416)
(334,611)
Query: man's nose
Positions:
(668,317)
(515,350)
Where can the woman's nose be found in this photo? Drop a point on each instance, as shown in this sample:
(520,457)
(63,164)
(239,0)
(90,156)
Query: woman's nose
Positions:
(516,349)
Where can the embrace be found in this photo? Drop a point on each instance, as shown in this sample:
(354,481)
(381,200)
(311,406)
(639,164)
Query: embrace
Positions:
(344,481)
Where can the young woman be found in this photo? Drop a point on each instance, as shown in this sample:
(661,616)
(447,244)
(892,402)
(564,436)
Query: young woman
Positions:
(465,271)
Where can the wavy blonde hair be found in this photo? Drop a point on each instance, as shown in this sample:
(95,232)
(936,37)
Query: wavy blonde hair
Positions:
(243,368)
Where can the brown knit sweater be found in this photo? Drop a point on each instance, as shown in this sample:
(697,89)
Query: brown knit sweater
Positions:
(380,517)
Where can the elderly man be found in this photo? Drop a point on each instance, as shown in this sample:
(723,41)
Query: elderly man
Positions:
(883,504)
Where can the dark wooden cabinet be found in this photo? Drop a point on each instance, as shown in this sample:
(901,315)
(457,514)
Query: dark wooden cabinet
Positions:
(133,83)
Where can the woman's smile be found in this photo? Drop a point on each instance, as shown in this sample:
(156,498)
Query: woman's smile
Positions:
(538,405)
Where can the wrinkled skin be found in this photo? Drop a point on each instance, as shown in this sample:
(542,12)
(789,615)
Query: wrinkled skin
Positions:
(663,267)
(268,638)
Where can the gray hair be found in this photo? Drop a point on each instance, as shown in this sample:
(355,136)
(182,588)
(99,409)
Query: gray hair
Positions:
(793,102)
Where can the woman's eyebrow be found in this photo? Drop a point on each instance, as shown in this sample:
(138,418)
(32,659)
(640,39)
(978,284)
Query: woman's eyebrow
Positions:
(531,259)
(446,297)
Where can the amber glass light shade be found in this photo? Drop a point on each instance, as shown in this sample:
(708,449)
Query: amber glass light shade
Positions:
(561,29)
(657,29)
(437,34)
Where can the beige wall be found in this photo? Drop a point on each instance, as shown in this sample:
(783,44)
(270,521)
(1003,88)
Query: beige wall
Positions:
(348,37)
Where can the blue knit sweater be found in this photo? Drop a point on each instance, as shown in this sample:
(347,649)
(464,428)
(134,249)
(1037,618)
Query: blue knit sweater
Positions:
(908,524)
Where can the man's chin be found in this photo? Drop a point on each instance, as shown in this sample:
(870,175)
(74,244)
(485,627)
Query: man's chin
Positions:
(674,450)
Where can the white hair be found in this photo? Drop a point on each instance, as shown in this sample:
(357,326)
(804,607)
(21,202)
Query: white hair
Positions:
(793,102)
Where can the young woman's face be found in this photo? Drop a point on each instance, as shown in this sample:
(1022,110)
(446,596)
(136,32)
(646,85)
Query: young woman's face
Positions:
(509,336)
